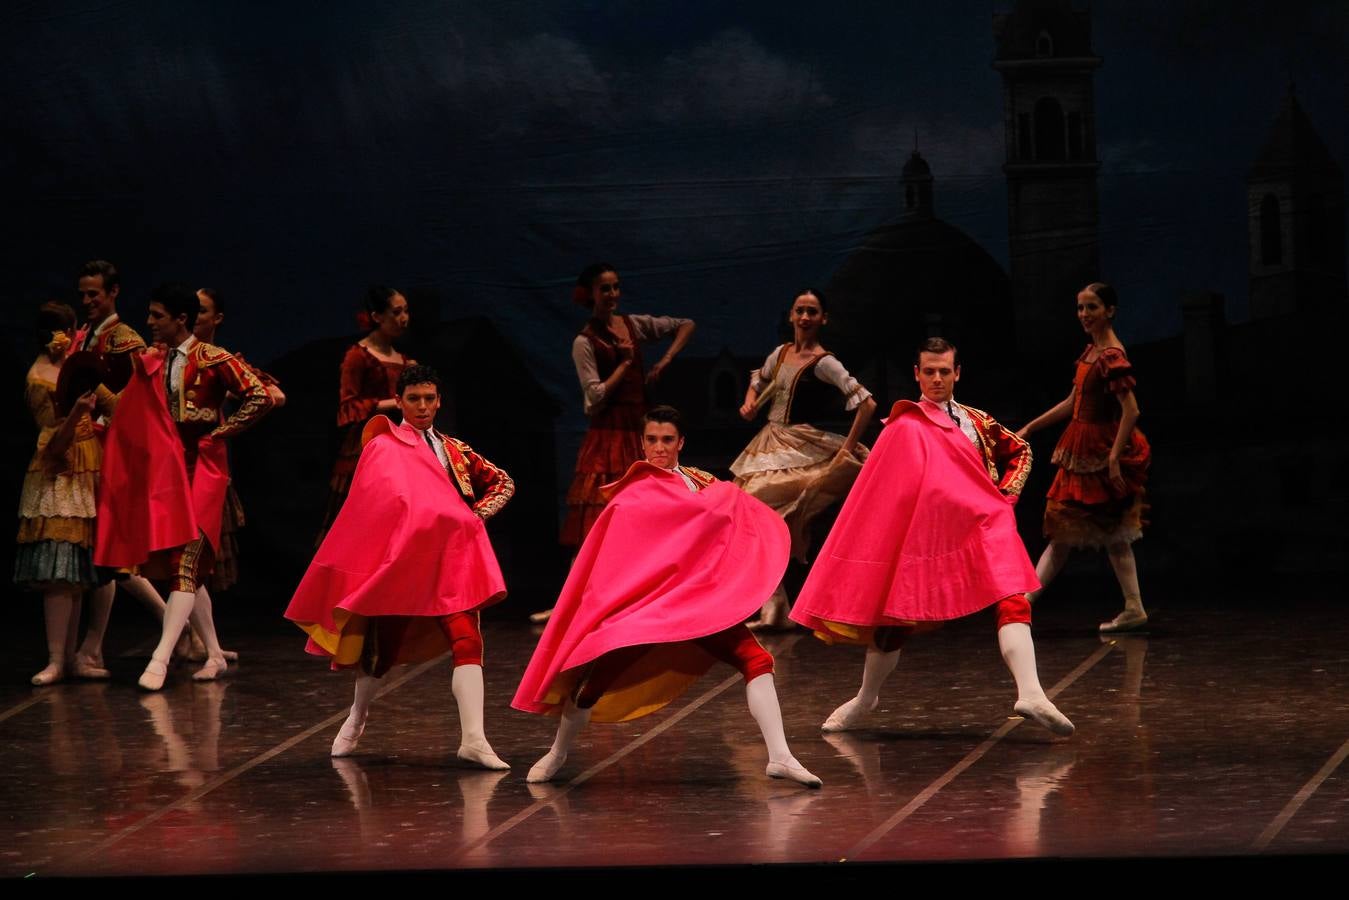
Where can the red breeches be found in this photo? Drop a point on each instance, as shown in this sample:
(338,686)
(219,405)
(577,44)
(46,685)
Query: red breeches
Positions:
(738,648)
(1015,608)
(465,636)
(735,646)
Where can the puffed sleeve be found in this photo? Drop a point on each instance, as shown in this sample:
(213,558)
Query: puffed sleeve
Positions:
(831,371)
(760,377)
(653,328)
(588,373)
(354,402)
(1117,371)
(39,399)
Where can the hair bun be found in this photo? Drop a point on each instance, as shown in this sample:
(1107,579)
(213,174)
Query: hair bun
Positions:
(582,296)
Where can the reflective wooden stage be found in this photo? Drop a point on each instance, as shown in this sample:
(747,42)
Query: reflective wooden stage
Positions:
(1217,734)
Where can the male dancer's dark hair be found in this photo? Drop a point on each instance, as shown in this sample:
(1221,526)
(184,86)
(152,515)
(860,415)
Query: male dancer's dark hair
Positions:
(666,414)
(101,267)
(178,300)
(418,374)
(936,345)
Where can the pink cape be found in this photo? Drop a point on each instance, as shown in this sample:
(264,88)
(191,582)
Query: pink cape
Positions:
(924,536)
(661,566)
(145,500)
(404,544)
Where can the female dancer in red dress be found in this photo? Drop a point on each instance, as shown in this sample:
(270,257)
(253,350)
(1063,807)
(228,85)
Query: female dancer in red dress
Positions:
(1097,498)
(608,364)
(370,373)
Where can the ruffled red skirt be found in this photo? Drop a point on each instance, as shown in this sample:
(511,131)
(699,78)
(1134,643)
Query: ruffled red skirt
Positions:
(1084,507)
(611,445)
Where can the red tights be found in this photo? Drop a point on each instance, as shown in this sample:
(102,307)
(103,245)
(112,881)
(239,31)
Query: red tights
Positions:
(735,646)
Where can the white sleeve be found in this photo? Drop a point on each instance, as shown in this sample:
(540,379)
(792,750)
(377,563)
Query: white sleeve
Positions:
(653,328)
(831,371)
(588,373)
(759,378)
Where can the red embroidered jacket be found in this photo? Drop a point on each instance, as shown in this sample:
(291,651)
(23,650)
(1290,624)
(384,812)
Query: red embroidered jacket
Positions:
(485,487)
(209,374)
(1001,450)
(115,346)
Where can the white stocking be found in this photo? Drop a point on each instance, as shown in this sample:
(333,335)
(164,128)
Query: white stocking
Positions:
(1018,651)
(568,728)
(762,697)
(878,666)
(176,613)
(468,689)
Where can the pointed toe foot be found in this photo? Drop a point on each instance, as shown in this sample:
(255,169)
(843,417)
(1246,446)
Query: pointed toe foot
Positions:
(482,755)
(1045,714)
(793,771)
(848,716)
(545,769)
(152,679)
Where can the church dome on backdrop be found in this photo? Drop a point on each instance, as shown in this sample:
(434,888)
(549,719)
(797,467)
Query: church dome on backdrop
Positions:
(913,278)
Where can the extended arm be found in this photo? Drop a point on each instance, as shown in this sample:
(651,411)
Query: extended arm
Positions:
(683,334)
(1056,413)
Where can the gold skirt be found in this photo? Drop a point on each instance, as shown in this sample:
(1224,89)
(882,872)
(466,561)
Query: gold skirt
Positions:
(796,470)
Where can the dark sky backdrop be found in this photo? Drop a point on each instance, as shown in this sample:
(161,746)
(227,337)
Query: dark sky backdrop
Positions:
(722,155)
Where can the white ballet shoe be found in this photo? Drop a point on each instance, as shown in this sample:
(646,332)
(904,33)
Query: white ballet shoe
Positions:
(214,668)
(152,679)
(51,675)
(540,618)
(482,755)
(546,768)
(1045,714)
(347,738)
(848,716)
(793,771)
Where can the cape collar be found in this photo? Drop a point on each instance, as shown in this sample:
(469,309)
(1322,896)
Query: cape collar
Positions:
(934,413)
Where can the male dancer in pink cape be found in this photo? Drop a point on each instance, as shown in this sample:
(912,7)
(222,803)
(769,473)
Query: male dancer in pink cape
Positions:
(406,567)
(165,470)
(928,535)
(659,591)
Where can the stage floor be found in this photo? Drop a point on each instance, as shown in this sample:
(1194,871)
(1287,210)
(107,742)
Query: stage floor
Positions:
(1221,733)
